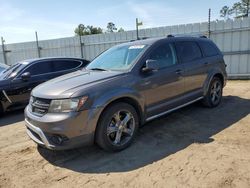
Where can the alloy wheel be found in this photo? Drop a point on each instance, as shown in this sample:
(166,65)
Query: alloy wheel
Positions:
(121,128)
(215,93)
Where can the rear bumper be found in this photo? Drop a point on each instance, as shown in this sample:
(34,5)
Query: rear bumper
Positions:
(61,131)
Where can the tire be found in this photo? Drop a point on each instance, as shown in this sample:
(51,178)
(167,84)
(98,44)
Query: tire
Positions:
(214,93)
(117,127)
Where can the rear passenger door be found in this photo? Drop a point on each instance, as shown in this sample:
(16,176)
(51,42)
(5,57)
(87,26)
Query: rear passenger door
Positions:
(195,68)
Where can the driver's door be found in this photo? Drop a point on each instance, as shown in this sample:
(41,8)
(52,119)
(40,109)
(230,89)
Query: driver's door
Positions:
(163,86)
(20,89)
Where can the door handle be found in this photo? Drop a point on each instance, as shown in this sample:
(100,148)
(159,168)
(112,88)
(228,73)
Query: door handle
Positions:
(178,71)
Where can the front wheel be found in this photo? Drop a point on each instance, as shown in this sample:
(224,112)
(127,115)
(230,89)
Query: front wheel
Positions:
(214,93)
(117,127)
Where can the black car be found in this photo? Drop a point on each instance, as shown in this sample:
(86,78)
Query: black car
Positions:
(3,67)
(17,81)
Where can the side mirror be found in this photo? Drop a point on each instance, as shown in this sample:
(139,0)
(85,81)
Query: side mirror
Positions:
(150,65)
(25,76)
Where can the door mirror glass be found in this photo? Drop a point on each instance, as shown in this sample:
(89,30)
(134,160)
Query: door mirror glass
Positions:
(150,65)
(25,76)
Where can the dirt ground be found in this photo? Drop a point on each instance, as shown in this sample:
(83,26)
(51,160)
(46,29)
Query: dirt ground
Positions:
(192,147)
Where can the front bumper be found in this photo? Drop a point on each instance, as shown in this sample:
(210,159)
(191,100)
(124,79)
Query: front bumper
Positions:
(61,131)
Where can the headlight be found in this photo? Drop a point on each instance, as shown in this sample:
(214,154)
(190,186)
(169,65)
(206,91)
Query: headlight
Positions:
(66,105)
(31,100)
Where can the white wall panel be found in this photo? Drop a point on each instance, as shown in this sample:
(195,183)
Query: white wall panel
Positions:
(231,36)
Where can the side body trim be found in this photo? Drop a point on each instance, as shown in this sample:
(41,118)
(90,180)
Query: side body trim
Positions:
(173,109)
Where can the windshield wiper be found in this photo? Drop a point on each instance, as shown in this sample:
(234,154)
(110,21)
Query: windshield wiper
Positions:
(98,69)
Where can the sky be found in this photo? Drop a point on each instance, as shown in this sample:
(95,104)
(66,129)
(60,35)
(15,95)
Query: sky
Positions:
(19,19)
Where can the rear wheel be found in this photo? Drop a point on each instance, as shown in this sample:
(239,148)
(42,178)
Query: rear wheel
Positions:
(117,127)
(214,93)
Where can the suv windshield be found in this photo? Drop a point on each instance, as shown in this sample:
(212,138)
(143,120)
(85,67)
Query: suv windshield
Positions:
(13,70)
(117,58)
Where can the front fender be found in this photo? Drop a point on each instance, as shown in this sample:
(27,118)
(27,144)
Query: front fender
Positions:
(115,94)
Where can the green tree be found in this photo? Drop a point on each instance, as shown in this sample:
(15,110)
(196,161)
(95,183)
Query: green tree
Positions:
(80,30)
(94,30)
(87,30)
(239,9)
(245,8)
(111,27)
(225,12)
(121,29)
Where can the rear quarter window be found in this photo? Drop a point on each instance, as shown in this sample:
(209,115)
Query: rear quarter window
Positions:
(208,49)
(63,65)
(188,51)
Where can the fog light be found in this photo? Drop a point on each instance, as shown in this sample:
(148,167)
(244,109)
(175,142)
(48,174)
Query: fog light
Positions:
(58,140)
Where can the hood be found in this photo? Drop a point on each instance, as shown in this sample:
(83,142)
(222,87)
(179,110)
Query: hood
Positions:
(65,86)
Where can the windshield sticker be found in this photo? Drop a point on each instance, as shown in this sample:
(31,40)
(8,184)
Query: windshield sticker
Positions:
(136,47)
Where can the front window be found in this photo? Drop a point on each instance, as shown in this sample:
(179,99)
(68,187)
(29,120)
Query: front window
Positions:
(164,55)
(117,58)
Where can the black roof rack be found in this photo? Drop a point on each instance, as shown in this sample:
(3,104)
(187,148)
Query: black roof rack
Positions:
(180,35)
(142,38)
(203,36)
(170,36)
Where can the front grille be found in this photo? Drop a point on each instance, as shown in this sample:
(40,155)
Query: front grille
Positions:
(40,106)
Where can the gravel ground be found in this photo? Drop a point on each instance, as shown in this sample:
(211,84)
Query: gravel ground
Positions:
(192,147)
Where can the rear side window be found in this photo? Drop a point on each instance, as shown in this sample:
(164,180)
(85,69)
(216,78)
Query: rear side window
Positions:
(164,54)
(38,68)
(62,65)
(208,49)
(188,51)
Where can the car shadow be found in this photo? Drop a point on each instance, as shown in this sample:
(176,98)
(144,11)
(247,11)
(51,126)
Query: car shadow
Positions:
(156,140)
(11,117)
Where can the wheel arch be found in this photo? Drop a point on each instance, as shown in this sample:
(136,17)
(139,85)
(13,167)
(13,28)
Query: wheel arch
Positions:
(129,100)
(123,99)
(220,76)
(210,78)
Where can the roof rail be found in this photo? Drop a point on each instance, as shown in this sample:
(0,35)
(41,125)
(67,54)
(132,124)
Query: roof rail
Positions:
(203,36)
(170,36)
(142,38)
(190,35)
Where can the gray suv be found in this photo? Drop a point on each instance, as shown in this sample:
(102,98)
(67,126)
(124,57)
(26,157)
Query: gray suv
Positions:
(123,88)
